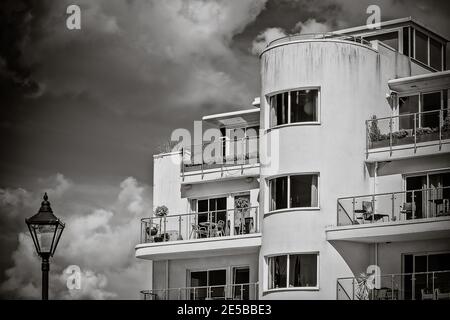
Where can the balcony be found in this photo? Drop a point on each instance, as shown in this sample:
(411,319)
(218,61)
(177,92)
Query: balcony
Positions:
(234,231)
(395,216)
(218,159)
(245,291)
(405,286)
(405,135)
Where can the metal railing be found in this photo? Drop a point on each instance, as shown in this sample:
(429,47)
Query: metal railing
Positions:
(408,131)
(318,36)
(244,291)
(393,206)
(433,285)
(200,225)
(221,154)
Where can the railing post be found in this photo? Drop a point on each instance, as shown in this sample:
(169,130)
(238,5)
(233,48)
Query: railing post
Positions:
(393,206)
(367,139)
(390,135)
(353,208)
(392,287)
(441,124)
(353,288)
(242,292)
(337,211)
(415,132)
(432,285)
(180,237)
(165,224)
(373,208)
(413,209)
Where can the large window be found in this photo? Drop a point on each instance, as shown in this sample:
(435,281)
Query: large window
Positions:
(295,191)
(294,107)
(427,104)
(427,50)
(293,271)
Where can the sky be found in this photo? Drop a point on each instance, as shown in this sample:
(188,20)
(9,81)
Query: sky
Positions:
(83,111)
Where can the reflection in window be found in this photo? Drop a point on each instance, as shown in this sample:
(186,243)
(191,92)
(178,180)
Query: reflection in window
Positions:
(303,191)
(304,106)
(302,271)
(408,105)
(279,109)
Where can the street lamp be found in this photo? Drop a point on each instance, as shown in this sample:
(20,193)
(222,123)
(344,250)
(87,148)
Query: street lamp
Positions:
(45,229)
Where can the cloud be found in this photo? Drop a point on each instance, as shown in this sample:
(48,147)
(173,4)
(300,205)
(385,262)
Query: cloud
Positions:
(311,26)
(263,39)
(100,240)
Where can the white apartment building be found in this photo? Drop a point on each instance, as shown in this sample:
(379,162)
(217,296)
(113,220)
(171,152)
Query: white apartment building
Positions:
(342,163)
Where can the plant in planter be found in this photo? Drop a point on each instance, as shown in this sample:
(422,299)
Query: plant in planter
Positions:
(161,211)
(374,131)
(400,134)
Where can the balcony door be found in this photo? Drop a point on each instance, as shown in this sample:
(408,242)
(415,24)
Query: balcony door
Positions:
(430,193)
(241,280)
(426,272)
(208,284)
(212,210)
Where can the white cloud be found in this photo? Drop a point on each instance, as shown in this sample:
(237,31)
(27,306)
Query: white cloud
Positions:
(311,26)
(262,39)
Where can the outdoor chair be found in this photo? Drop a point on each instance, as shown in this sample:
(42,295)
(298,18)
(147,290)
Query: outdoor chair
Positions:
(220,228)
(198,231)
(426,296)
(441,295)
(368,214)
(408,209)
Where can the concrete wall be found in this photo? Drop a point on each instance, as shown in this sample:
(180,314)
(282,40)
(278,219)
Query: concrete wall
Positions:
(353,86)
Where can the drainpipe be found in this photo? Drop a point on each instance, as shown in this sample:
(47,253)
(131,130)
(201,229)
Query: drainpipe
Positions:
(375,174)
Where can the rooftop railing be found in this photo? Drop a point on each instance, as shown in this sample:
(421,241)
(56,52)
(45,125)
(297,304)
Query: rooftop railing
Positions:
(221,154)
(318,36)
(244,291)
(394,206)
(433,285)
(408,131)
(200,225)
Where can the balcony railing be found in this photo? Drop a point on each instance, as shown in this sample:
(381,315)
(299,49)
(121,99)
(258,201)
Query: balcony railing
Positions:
(221,154)
(394,206)
(405,286)
(200,225)
(408,131)
(245,291)
(318,36)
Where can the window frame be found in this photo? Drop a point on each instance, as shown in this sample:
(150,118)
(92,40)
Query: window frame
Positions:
(289,123)
(289,208)
(287,288)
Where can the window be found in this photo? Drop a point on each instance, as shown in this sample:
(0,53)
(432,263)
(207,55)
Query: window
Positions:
(421,47)
(294,107)
(302,191)
(201,279)
(406,41)
(390,39)
(435,54)
(293,271)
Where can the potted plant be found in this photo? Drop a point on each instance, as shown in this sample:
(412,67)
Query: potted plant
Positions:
(161,212)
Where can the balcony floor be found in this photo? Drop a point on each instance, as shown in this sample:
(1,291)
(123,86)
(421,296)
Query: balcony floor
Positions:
(208,247)
(409,230)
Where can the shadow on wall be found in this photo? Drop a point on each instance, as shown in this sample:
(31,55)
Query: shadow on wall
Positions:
(355,255)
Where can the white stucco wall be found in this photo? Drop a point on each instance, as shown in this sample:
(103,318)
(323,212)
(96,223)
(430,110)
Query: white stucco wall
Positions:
(353,86)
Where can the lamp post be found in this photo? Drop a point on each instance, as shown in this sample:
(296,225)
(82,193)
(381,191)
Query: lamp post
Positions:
(45,229)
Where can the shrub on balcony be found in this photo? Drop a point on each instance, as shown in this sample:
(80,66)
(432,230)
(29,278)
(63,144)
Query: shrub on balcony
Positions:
(374,131)
(422,131)
(400,134)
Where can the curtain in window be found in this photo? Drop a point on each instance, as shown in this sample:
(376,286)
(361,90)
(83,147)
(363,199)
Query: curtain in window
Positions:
(303,270)
(273,111)
(314,192)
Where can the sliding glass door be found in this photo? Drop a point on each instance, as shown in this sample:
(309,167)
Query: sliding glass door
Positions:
(208,284)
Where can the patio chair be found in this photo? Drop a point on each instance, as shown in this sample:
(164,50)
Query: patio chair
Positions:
(426,296)
(408,209)
(198,231)
(368,214)
(441,295)
(220,228)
